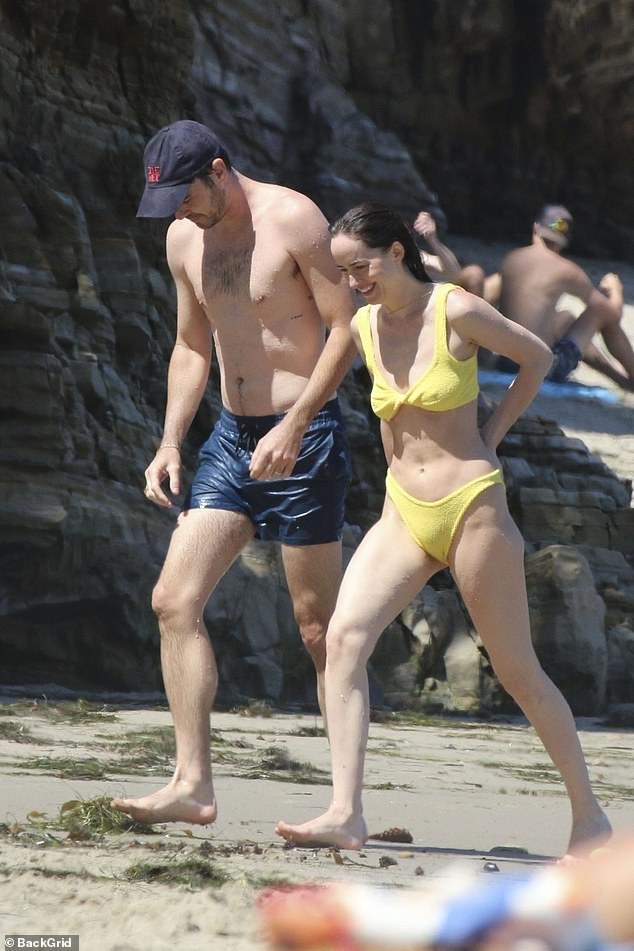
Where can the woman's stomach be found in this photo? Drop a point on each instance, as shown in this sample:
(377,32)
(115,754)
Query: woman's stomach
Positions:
(429,469)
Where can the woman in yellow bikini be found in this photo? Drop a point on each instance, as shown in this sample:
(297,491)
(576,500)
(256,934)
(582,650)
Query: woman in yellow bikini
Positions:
(445,505)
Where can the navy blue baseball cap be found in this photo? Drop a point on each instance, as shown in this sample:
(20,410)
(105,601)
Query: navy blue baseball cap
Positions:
(172,159)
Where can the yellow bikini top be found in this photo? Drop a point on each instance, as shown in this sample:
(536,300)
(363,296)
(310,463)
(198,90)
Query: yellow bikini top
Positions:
(447,384)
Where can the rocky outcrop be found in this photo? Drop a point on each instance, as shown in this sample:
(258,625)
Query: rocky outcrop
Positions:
(568,624)
(274,86)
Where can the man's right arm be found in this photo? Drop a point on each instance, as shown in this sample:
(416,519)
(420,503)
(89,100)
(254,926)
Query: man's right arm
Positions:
(187,376)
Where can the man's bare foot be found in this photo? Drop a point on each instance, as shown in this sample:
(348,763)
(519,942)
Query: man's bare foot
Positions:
(588,835)
(176,802)
(612,287)
(329,829)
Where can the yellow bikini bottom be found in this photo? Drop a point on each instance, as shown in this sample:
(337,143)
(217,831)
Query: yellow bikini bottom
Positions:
(433,525)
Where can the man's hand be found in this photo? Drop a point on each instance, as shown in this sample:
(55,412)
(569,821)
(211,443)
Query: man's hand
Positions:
(276,453)
(425,226)
(165,465)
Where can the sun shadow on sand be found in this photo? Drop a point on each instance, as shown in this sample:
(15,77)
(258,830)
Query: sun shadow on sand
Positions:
(500,853)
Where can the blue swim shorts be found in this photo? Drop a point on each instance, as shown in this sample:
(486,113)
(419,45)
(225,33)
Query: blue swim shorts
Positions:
(566,357)
(307,508)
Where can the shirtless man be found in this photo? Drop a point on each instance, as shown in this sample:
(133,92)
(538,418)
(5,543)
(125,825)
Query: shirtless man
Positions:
(253,273)
(533,280)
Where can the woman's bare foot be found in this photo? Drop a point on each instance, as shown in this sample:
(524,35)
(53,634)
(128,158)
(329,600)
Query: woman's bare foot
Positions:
(330,829)
(588,835)
(176,802)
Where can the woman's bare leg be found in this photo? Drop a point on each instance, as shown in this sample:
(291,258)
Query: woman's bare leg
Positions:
(385,573)
(487,561)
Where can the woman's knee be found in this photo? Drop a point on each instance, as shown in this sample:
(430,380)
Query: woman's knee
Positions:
(346,643)
(523,679)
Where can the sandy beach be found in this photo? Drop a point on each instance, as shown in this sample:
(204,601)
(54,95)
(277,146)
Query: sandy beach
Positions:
(466,790)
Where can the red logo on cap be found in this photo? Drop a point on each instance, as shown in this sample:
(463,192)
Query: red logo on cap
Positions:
(153,173)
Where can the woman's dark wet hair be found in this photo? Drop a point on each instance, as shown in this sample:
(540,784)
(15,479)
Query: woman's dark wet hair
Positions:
(379,227)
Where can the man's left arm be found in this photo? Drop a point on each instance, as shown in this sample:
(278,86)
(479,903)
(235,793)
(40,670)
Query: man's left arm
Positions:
(276,454)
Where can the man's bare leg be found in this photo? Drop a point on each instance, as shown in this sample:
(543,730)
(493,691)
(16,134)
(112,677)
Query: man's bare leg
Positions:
(563,321)
(604,317)
(602,364)
(203,546)
(616,340)
(368,601)
(313,573)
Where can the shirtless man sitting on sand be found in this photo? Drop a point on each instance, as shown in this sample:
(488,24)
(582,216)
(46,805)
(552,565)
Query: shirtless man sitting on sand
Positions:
(534,278)
(254,275)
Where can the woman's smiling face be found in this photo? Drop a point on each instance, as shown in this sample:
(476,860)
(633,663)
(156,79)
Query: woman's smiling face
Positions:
(369,270)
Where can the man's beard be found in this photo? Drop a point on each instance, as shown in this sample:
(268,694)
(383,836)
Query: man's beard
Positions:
(217,213)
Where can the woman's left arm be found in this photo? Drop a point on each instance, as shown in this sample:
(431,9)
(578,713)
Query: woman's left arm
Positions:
(480,324)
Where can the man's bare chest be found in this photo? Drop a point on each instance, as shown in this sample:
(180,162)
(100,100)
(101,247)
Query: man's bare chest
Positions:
(245,275)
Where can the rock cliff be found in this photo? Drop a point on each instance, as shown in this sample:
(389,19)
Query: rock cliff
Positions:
(506,105)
